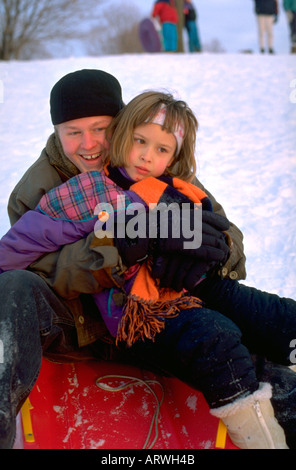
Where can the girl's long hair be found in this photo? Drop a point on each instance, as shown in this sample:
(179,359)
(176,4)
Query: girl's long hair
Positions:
(142,109)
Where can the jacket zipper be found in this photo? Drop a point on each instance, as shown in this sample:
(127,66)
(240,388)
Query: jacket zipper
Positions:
(263,424)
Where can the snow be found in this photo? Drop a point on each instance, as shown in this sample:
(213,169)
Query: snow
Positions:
(246,151)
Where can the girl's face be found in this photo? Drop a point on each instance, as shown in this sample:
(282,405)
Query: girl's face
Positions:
(152,152)
(84,142)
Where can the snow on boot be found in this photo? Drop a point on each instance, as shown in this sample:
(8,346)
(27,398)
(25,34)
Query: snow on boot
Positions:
(251,423)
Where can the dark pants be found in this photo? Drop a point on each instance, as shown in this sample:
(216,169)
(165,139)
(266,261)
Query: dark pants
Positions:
(193,36)
(201,347)
(292,24)
(267,321)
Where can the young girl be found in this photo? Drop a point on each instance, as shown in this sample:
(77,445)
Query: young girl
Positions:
(151,161)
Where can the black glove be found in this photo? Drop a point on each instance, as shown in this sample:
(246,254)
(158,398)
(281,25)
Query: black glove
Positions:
(183,270)
(140,233)
(213,246)
(178,272)
(134,249)
(131,248)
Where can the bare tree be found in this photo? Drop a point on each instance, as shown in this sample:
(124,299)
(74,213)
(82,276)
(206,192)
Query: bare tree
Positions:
(27,23)
(180,26)
(214,45)
(117,32)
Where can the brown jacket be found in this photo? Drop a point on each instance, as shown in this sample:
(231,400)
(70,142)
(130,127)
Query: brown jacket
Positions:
(75,268)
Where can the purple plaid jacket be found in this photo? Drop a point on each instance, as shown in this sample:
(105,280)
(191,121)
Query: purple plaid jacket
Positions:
(71,211)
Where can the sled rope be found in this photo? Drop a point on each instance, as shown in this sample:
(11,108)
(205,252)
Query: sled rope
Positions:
(136,381)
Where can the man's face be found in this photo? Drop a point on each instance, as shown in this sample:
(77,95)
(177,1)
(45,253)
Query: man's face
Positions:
(84,142)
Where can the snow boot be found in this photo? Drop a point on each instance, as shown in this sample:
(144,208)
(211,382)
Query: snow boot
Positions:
(251,423)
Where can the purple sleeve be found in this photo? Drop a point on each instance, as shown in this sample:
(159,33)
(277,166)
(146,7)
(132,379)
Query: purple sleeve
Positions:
(35,234)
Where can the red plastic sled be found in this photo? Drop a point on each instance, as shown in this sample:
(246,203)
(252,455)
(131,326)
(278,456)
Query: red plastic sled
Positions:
(68,410)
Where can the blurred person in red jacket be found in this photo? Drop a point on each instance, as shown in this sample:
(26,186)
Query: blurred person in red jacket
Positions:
(166,12)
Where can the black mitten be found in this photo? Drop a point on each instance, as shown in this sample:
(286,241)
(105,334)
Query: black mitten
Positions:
(214,246)
(184,269)
(178,272)
(132,248)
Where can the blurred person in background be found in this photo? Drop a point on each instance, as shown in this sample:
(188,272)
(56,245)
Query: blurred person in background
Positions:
(267,13)
(166,13)
(190,18)
(290,8)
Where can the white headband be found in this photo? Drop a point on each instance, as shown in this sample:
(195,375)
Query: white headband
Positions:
(179,129)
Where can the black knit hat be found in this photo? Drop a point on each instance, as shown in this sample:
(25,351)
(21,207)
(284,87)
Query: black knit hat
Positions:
(85,93)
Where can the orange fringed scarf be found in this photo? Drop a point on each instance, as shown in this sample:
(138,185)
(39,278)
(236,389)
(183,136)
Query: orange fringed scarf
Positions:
(148,306)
